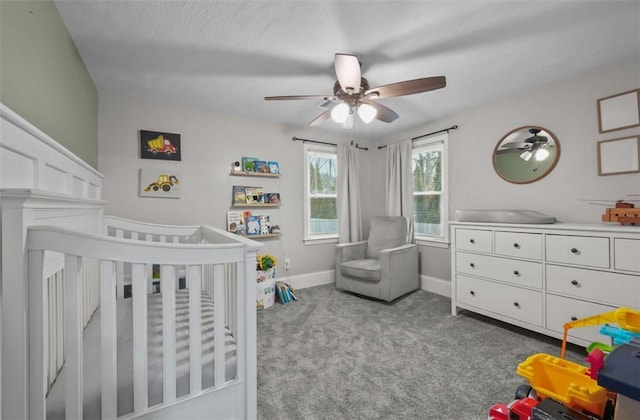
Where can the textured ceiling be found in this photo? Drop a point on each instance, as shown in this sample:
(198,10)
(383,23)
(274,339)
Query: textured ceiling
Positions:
(225,56)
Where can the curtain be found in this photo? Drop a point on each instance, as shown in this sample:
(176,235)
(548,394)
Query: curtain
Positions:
(348,200)
(400,181)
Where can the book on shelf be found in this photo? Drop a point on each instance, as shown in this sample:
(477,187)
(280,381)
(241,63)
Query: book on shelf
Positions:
(272,198)
(234,218)
(239,194)
(254,195)
(274,168)
(253,225)
(249,164)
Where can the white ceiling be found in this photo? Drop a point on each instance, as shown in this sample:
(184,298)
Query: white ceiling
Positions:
(225,56)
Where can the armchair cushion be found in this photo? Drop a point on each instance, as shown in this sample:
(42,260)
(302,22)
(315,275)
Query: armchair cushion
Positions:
(366,269)
(389,232)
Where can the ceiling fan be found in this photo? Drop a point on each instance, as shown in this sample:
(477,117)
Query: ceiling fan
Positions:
(532,146)
(351,92)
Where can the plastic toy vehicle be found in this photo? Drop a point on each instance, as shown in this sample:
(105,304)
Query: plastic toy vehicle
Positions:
(516,410)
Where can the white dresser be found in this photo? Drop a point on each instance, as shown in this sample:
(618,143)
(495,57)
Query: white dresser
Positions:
(541,276)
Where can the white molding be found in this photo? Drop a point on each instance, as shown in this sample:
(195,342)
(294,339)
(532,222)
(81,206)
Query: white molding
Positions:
(303,281)
(435,285)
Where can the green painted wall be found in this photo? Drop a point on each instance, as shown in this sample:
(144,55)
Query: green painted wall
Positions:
(43,78)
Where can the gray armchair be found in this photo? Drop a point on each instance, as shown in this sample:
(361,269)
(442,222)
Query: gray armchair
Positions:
(385,266)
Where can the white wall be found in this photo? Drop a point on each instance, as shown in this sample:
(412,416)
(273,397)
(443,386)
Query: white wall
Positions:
(569,110)
(211,141)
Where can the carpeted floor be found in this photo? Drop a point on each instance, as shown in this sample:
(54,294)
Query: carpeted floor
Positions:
(333,355)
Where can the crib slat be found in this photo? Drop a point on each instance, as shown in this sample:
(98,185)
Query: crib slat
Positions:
(218,326)
(139,274)
(37,341)
(167,286)
(194,278)
(108,333)
(73,336)
(149,237)
(119,233)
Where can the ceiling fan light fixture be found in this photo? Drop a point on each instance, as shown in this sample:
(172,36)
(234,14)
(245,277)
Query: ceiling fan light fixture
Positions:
(542,154)
(340,113)
(526,155)
(366,113)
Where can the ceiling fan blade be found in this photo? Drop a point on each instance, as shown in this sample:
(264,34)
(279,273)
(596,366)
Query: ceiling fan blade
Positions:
(296,97)
(321,118)
(408,87)
(348,72)
(383,113)
(515,145)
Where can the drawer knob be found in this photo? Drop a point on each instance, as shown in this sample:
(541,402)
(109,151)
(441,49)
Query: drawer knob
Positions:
(574,250)
(472,293)
(574,282)
(516,304)
(473,241)
(516,272)
(516,245)
(472,265)
(574,318)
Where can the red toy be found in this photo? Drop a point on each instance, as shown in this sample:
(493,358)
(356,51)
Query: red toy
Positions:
(517,409)
(596,360)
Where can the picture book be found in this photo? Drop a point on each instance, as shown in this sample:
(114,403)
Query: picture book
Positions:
(234,218)
(274,168)
(253,225)
(239,196)
(273,198)
(254,195)
(249,164)
(265,225)
(262,167)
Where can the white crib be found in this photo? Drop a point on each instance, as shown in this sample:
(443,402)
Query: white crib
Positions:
(65,265)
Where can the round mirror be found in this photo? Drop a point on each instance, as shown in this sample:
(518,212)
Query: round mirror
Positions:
(526,154)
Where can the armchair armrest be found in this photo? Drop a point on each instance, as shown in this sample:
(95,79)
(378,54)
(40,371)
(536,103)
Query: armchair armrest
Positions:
(401,265)
(350,251)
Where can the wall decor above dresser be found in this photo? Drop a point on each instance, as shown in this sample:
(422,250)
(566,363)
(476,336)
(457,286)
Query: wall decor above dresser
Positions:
(540,277)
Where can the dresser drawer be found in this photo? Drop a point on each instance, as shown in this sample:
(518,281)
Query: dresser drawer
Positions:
(522,245)
(627,254)
(588,251)
(522,304)
(517,272)
(609,288)
(561,310)
(474,240)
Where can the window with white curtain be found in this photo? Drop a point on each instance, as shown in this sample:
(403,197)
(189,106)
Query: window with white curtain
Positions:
(430,209)
(320,201)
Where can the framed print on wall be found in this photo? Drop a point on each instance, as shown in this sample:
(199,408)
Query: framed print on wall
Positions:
(161,183)
(619,111)
(157,145)
(619,156)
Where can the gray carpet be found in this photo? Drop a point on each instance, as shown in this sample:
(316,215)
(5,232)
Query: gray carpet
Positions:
(333,355)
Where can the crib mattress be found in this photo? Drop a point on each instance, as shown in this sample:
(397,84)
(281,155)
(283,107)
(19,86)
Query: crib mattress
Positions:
(91,343)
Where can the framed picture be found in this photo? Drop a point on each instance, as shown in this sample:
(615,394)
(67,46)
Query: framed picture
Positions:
(619,111)
(619,156)
(161,183)
(156,145)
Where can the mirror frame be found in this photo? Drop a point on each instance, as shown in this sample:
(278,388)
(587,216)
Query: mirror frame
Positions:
(538,177)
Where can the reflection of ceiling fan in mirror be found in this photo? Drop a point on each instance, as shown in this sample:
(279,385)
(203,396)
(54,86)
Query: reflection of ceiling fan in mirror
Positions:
(535,145)
(351,92)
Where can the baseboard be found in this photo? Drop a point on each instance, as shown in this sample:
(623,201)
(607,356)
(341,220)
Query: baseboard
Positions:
(310,279)
(435,285)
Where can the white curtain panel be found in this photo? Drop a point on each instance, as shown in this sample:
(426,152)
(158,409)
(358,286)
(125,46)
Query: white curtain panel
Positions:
(349,211)
(400,181)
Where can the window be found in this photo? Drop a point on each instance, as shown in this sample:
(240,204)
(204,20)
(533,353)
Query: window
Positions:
(430,210)
(321,213)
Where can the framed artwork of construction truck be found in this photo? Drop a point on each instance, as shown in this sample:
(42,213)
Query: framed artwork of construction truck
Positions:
(157,145)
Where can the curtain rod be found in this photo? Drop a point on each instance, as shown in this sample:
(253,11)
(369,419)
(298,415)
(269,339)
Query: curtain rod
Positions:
(324,142)
(453,127)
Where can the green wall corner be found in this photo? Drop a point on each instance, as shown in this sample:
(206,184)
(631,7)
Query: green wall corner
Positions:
(43,78)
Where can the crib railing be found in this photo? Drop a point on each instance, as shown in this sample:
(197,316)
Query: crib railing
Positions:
(218,264)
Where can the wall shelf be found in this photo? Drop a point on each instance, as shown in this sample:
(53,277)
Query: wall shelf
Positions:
(267,235)
(256,174)
(237,205)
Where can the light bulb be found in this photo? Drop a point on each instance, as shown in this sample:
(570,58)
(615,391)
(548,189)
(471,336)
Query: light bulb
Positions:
(526,155)
(542,154)
(340,113)
(366,113)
